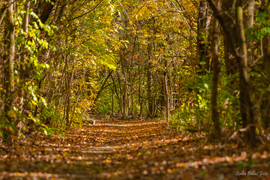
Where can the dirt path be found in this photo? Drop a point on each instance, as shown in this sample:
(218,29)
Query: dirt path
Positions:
(129,150)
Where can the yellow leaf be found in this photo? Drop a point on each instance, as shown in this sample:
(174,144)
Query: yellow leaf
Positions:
(14,137)
(10,129)
(40,24)
(180,165)
(12,113)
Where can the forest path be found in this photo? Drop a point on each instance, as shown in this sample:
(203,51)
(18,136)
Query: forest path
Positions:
(126,150)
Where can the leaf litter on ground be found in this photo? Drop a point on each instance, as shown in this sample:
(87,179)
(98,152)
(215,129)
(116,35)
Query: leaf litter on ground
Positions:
(132,149)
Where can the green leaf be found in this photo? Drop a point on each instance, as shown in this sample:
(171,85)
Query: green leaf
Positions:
(241,164)
(250,160)
(265,30)
(202,63)
(34,15)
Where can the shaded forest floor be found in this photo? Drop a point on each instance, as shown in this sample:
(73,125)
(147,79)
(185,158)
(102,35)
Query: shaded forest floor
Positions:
(131,150)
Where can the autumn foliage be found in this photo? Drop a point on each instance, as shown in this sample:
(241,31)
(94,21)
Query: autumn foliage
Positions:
(78,76)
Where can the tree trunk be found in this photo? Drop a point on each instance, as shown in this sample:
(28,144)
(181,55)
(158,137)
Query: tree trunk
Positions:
(216,70)
(202,46)
(229,6)
(22,65)
(120,95)
(246,110)
(265,106)
(103,85)
(248,24)
(245,99)
(112,100)
(9,45)
(167,98)
(149,84)
(170,91)
(125,101)
(139,93)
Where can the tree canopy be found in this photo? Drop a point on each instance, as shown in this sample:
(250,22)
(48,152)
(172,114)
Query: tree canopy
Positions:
(203,65)
(196,67)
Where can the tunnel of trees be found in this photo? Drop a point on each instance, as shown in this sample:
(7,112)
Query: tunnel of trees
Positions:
(202,65)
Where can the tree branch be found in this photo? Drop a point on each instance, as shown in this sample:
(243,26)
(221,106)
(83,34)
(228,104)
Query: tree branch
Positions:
(86,12)
(226,30)
(103,85)
(3,12)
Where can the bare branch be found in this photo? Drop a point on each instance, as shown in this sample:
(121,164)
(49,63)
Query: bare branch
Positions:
(86,12)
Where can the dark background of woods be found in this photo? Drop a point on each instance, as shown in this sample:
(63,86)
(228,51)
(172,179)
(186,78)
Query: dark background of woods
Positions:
(201,64)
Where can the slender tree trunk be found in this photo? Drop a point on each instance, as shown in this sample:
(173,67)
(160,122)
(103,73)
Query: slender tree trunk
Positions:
(245,99)
(22,65)
(248,24)
(116,93)
(229,6)
(103,85)
(66,85)
(121,96)
(202,46)
(125,100)
(9,46)
(67,108)
(170,91)
(139,93)
(216,70)
(149,84)
(167,98)
(112,98)
(132,103)
(70,80)
(149,96)
(265,105)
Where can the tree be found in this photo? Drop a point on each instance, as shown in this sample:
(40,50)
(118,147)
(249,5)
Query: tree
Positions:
(265,105)
(9,53)
(216,70)
(203,46)
(246,106)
